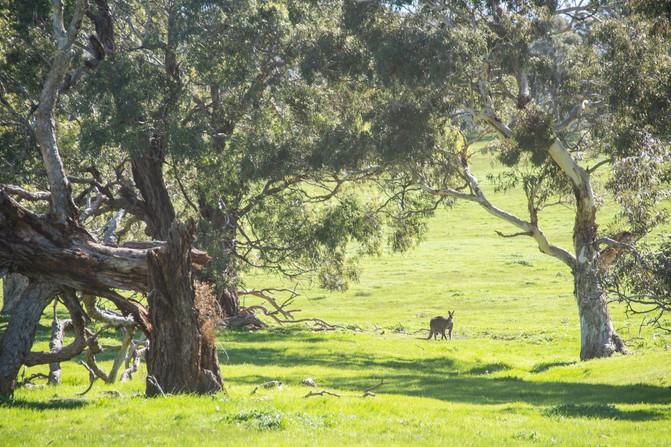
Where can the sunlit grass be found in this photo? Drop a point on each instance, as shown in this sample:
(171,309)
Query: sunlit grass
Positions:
(510,376)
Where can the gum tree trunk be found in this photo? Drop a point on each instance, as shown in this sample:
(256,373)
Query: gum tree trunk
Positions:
(182,356)
(597,336)
(18,338)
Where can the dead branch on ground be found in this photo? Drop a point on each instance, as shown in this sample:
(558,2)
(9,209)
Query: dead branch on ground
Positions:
(321,393)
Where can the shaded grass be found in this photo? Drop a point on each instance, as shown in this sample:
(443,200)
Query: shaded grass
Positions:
(510,376)
(602,411)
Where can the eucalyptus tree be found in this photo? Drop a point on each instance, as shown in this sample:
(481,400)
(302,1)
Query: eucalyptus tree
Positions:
(640,48)
(555,86)
(207,103)
(229,131)
(53,249)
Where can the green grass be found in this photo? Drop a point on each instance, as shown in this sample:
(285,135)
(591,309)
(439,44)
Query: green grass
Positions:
(510,376)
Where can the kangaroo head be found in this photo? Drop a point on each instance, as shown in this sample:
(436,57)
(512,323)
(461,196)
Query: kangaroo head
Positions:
(450,313)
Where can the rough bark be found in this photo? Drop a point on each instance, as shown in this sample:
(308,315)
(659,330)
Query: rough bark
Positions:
(182,355)
(67,256)
(229,301)
(13,285)
(18,338)
(148,176)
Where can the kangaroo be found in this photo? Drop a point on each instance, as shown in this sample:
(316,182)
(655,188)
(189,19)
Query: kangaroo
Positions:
(439,324)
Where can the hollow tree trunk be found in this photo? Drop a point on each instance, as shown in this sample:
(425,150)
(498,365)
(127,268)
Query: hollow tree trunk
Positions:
(13,286)
(182,356)
(18,338)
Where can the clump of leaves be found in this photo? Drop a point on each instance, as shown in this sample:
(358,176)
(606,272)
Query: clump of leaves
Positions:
(533,133)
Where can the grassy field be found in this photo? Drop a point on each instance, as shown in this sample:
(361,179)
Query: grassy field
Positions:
(510,376)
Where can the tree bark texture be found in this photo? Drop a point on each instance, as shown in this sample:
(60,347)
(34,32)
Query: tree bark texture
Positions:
(229,301)
(148,177)
(67,256)
(18,338)
(13,285)
(182,356)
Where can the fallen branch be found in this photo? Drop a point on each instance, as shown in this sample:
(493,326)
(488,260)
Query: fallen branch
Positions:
(368,392)
(321,393)
(154,382)
(280,309)
(28,381)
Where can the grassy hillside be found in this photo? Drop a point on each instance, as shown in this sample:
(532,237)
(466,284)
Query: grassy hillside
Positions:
(510,376)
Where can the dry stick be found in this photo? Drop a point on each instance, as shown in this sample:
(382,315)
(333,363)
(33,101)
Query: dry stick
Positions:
(368,392)
(29,380)
(153,381)
(92,378)
(321,393)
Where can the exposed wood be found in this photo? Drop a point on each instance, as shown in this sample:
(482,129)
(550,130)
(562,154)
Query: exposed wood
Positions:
(122,355)
(58,328)
(103,315)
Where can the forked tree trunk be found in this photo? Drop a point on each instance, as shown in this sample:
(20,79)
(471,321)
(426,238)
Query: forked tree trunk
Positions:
(13,286)
(20,333)
(182,356)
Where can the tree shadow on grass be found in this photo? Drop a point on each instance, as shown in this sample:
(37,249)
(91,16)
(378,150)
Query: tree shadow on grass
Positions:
(542,367)
(53,404)
(602,411)
(441,378)
(488,368)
